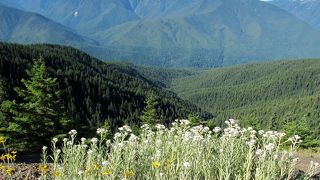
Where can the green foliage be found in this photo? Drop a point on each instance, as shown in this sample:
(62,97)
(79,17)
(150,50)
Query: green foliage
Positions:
(93,92)
(178,152)
(302,128)
(264,96)
(194,119)
(37,113)
(149,113)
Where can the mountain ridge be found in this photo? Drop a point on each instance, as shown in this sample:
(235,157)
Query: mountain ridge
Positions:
(184,33)
(307,10)
(19,26)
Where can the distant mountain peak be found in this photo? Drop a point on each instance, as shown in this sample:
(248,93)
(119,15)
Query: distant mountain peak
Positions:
(182,33)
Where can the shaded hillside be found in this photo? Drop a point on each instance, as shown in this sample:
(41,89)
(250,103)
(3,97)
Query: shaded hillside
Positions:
(163,77)
(26,27)
(264,95)
(93,91)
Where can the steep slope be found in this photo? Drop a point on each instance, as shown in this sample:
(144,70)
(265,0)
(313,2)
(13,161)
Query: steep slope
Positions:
(25,27)
(234,33)
(307,10)
(83,16)
(265,95)
(94,92)
(184,33)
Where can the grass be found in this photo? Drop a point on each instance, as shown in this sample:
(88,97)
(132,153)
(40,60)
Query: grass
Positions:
(178,152)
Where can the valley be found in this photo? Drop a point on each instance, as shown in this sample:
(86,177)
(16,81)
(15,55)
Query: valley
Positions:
(159,89)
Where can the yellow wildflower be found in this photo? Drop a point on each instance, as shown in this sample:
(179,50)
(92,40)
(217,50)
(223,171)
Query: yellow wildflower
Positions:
(8,157)
(13,152)
(2,166)
(88,171)
(156,164)
(44,168)
(97,166)
(106,172)
(129,174)
(3,157)
(2,139)
(8,171)
(56,174)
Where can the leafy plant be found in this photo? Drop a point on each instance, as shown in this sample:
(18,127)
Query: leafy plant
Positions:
(37,114)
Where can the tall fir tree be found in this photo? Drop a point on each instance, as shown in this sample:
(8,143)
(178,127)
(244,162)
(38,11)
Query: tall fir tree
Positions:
(149,113)
(37,114)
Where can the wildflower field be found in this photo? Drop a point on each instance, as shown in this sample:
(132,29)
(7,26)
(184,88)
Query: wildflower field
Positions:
(178,152)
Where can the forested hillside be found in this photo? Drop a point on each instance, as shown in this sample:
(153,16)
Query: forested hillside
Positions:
(263,95)
(93,91)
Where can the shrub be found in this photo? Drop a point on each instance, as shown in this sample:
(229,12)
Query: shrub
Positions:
(178,152)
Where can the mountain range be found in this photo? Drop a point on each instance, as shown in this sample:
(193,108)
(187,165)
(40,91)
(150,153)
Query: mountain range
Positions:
(26,27)
(175,33)
(307,10)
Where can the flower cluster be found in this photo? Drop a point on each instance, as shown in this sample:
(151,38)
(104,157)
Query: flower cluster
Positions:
(179,151)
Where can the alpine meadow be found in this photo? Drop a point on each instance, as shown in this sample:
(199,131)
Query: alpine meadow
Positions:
(159,89)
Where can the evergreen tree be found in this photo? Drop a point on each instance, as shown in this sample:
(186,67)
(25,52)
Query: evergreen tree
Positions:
(194,120)
(149,113)
(302,129)
(37,114)
(3,115)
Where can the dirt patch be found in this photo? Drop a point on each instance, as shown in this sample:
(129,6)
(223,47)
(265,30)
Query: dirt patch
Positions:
(22,171)
(305,158)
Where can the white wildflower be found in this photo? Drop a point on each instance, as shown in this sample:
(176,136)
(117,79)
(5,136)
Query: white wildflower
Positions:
(160,127)
(186,165)
(158,142)
(251,143)
(69,143)
(101,131)
(184,122)
(261,132)
(269,147)
(108,142)
(73,132)
(55,140)
(259,152)
(117,135)
(83,140)
(158,154)
(89,151)
(80,173)
(133,138)
(217,129)
(94,140)
(105,163)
